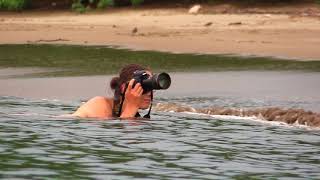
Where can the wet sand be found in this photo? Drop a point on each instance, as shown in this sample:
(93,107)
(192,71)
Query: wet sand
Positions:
(10,72)
(293,37)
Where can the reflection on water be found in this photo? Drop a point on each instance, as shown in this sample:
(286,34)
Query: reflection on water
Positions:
(37,143)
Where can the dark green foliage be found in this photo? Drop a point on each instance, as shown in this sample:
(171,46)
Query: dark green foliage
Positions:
(82,6)
(13,5)
(78,7)
(136,2)
(105,3)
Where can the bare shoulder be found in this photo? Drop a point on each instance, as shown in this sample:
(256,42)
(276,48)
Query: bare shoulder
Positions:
(97,107)
(99,100)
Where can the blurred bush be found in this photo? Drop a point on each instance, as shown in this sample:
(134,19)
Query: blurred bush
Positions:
(85,5)
(13,5)
(105,3)
(77,6)
(136,2)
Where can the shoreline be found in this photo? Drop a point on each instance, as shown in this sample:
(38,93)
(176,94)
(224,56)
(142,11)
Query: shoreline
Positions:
(267,35)
(77,60)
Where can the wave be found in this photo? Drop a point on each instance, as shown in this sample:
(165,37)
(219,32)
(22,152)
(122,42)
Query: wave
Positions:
(289,116)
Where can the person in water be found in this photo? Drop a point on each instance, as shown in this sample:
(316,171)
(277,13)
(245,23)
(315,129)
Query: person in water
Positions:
(129,97)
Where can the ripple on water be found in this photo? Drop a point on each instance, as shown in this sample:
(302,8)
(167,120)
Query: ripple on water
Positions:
(35,143)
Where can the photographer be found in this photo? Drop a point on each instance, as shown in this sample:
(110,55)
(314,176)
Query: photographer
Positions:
(133,90)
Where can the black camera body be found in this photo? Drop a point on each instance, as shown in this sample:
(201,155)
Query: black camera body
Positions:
(154,82)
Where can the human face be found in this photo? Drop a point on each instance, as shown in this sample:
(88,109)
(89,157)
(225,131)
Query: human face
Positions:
(145,100)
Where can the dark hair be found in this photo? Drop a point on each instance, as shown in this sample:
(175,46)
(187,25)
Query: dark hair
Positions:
(125,75)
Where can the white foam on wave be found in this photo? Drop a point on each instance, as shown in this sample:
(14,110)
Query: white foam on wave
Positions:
(256,119)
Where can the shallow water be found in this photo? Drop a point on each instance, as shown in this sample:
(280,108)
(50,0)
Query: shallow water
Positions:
(37,143)
(288,89)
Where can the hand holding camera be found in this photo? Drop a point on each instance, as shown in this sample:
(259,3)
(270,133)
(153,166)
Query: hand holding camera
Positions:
(138,92)
(154,82)
(133,93)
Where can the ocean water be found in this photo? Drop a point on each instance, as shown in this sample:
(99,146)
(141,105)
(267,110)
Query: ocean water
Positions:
(37,142)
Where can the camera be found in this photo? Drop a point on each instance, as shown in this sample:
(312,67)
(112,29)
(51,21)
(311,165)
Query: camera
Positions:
(154,82)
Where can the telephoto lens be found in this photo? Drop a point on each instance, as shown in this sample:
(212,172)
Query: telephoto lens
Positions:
(155,82)
(161,81)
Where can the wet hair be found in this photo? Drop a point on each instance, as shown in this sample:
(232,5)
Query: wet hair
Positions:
(125,75)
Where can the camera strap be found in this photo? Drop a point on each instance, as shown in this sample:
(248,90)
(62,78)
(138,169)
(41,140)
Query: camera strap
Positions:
(149,112)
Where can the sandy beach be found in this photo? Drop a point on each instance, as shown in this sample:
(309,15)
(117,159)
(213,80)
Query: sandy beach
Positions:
(172,30)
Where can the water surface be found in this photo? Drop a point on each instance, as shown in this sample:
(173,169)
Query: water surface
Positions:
(288,89)
(37,143)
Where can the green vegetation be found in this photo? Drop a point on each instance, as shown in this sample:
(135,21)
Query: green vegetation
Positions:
(78,7)
(105,3)
(98,60)
(136,2)
(13,5)
(84,5)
